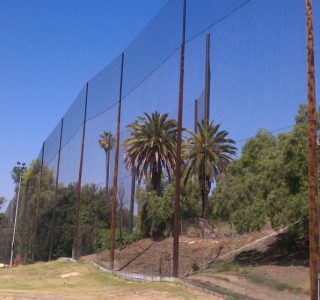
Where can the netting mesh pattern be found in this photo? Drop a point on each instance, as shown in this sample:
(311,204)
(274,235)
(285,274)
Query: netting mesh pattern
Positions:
(258,63)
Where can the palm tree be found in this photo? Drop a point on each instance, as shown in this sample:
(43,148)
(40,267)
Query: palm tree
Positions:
(151,147)
(106,142)
(206,155)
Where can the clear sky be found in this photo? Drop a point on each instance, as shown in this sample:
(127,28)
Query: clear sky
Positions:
(49,49)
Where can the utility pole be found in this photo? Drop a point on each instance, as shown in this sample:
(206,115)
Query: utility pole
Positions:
(107,172)
(37,206)
(53,229)
(176,227)
(21,168)
(133,190)
(115,175)
(78,199)
(312,159)
(196,116)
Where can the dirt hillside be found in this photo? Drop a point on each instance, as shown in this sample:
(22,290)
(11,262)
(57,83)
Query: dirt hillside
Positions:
(151,257)
(251,266)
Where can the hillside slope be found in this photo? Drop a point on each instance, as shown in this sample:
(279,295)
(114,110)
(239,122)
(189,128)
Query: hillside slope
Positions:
(151,257)
(251,266)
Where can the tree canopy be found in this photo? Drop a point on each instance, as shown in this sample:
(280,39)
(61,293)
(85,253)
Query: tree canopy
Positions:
(207,155)
(151,147)
(268,183)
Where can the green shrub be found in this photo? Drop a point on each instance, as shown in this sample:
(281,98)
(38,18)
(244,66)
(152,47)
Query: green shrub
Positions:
(268,183)
(281,286)
(195,266)
(156,210)
(225,267)
(250,218)
(103,240)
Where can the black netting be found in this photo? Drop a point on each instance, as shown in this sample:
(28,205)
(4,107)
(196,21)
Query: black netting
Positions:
(257,80)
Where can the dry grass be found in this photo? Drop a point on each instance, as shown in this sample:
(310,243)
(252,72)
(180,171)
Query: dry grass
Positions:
(46,281)
(259,282)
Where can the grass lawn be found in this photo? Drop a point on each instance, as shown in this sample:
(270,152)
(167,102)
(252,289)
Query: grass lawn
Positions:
(67,280)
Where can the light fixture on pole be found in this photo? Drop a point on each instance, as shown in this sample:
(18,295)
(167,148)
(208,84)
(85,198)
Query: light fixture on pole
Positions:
(21,167)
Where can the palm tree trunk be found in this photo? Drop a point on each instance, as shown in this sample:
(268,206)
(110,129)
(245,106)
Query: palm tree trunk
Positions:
(206,202)
(156,178)
(204,184)
(204,196)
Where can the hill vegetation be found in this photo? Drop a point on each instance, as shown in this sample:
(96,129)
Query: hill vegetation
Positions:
(266,185)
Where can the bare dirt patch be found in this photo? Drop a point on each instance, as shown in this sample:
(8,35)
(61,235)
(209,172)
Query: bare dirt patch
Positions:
(149,257)
(72,274)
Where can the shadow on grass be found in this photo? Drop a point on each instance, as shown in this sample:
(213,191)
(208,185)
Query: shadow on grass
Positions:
(287,249)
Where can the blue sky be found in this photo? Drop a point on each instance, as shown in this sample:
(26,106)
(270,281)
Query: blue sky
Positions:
(51,48)
(48,50)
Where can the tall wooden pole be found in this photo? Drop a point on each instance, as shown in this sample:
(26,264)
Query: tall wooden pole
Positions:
(107,174)
(207,80)
(176,225)
(133,190)
(312,147)
(115,176)
(53,229)
(78,199)
(37,206)
(196,116)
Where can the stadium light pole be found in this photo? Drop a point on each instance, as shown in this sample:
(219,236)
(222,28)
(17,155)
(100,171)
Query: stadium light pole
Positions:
(312,160)
(21,166)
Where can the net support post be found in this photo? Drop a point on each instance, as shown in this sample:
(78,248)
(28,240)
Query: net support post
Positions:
(115,175)
(35,229)
(312,160)
(55,200)
(176,219)
(75,243)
